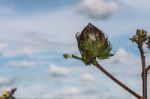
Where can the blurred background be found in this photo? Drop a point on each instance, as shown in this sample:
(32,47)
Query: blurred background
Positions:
(34,34)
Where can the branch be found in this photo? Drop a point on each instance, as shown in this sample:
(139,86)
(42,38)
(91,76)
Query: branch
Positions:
(144,70)
(108,74)
(118,82)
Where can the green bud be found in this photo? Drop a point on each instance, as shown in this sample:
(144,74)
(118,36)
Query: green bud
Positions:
(93,43)
(66,56)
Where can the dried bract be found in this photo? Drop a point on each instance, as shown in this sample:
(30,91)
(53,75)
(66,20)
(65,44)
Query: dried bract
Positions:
(92,44)
(140,37)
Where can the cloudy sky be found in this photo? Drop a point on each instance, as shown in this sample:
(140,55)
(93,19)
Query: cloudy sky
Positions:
(34,34)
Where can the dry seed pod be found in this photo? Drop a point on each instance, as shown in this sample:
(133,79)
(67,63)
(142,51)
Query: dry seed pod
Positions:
(92,44)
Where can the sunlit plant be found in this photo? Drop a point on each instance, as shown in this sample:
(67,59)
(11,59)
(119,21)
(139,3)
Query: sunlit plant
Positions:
(8,94)
(93,44)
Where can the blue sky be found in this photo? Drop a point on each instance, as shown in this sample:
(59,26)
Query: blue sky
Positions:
(35,34)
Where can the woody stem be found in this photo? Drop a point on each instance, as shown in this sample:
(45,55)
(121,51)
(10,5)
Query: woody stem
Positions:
(144,71)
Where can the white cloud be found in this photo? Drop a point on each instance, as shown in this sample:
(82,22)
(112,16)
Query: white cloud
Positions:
(42,31)
(4,80)
(27,51)
(31,91)
(87,77)
(70,91)
(98,9)
(43,91)
(55,70)
(121,56)
(3,46)
(140,4)
(21,64)
(58,28)
(63,92)
(23,51)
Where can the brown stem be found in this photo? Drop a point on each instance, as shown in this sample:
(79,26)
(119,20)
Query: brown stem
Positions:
(144,71)
(112,77)
(117,81)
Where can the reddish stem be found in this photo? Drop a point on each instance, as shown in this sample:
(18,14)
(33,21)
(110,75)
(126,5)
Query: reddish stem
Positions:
(117,81)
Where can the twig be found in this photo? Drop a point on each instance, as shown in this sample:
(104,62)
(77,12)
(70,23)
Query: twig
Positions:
(66,56)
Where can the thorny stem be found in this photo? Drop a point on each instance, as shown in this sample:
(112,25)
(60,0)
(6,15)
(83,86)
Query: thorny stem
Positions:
(144,71)
(111,77)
